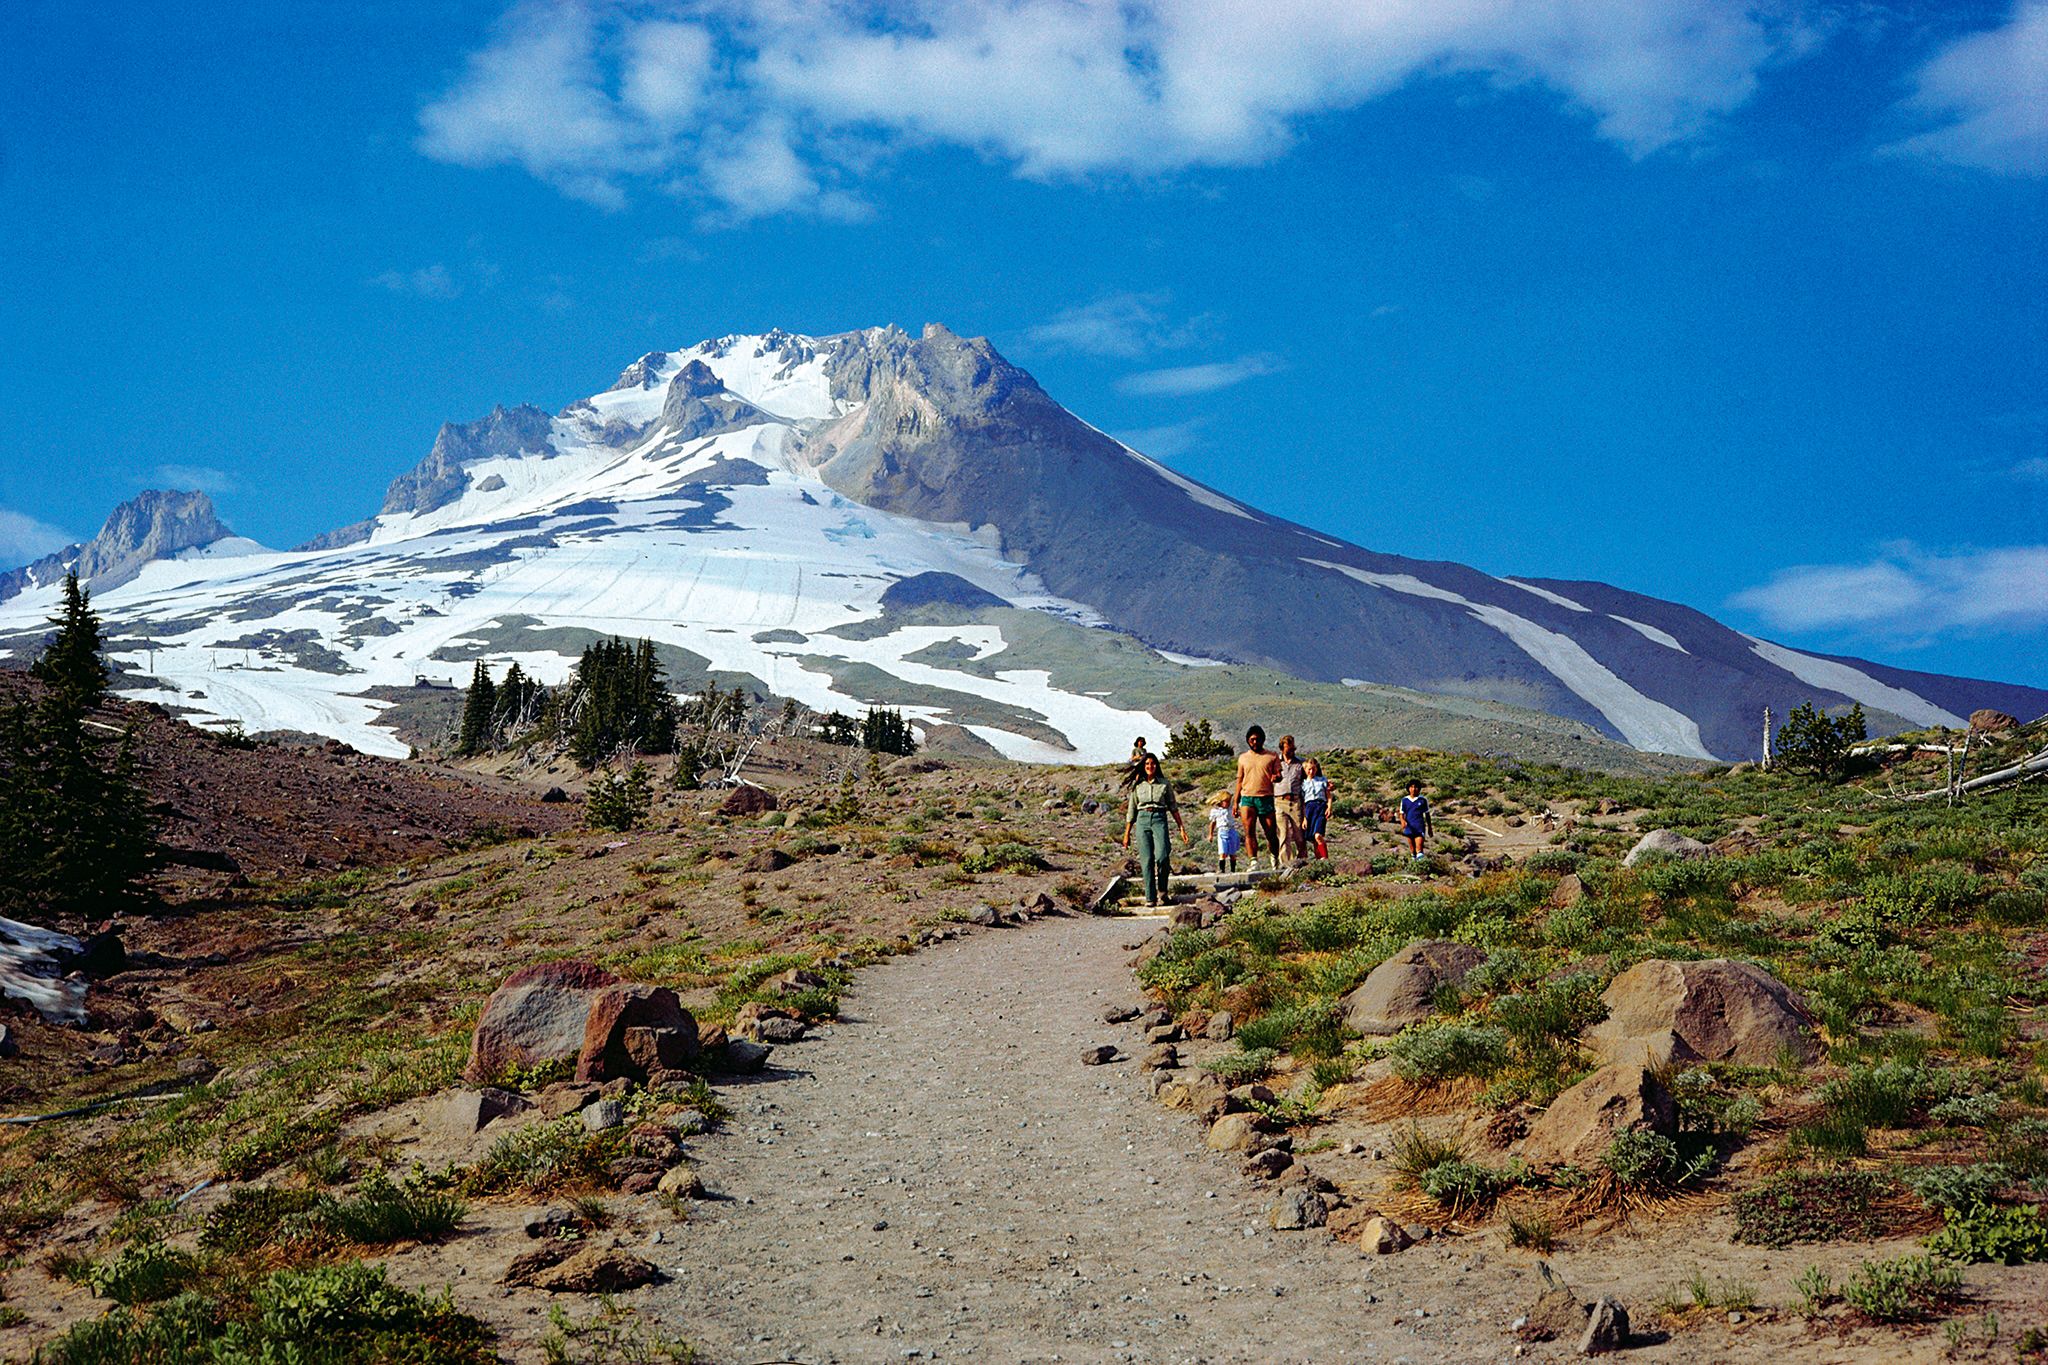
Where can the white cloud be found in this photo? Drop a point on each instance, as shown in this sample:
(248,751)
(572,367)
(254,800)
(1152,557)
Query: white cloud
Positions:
(2035,468)
(1990,92)
(1909,593)
(428,282)
(24,539)
(1122,325)
(1164,443)
(1182,380)
(201,476)
(773,106)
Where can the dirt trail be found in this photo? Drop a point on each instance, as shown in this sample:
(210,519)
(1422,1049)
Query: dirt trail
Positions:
(944,1181)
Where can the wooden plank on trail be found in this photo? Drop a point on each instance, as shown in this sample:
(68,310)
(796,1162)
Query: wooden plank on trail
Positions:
(1107,894)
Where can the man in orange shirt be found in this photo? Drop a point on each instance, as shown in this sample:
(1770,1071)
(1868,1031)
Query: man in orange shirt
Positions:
(1252,795)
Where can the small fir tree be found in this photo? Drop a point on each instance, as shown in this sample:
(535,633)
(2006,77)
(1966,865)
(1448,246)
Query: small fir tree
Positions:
(1811,741)
(70,664)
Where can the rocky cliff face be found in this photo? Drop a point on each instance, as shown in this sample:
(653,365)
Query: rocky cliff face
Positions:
(439,479)
(152,525)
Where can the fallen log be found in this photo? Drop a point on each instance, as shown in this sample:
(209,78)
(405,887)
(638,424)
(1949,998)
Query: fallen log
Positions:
(2025,768)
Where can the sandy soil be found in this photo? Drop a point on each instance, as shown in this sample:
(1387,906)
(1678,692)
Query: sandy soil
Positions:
(939,1178)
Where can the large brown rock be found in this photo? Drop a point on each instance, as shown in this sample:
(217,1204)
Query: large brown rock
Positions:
(612,1045)
(1986,721)
(747,800)
(538,1015)
(1718,1010)
(1583,1122)
(1401,990)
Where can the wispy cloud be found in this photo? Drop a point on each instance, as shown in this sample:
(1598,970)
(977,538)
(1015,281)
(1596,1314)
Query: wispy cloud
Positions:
(1988,93)
(2035,469)
(1124,326)
(1165,443)
(1181,380)
(23,538)
(435,281)
(769,106)
(1905,592)
(203,477)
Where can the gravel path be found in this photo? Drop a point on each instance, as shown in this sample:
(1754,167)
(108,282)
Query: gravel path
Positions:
(939,1178)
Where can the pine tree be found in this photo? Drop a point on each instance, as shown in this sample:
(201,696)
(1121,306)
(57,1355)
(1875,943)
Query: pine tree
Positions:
(70,665)
(479,710)
(77,837)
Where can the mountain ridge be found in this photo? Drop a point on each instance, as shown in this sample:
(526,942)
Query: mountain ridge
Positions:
(780,485)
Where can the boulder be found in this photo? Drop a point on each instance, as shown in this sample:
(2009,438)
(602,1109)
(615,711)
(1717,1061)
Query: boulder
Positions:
(1220,1027)
(1723,1011)
(1119,1014)
(1233,1133)
(1606,1328)
(593,1270)
(1986,721)
(618,1009)
(743,1056)
(1383,1237)
(538,1015)
(1268,1163)
(601,1115)
(1163,1057)
(795,981)
(779,1030)
(1556,1314)
(1400,991)
(1568,892)
(1666,843)
(682,1182)
(1197,1091)
(554,796)
(463,1113)
(1100,1055)
(768,860)
(652,1051)
(1298,1209)
(747,800)
(982,916)
(1580,1124)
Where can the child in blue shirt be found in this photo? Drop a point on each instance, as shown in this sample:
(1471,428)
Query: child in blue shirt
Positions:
(1229,839)
(1315,806)
(1416,823)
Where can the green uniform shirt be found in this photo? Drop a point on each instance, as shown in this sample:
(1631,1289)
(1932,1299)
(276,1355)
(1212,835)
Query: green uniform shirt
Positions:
(1152,796)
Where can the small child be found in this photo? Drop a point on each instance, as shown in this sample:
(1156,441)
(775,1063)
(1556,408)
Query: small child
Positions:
(1315,806)
(1229,839)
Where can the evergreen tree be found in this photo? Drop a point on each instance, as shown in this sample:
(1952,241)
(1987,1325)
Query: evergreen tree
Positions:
(70,665)
(619,699)
(1811,741)
(886,732)
(479,712)
(1195,741)
(77,838)
(838,728)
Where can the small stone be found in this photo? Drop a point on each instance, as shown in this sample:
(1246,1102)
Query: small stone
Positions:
(1164,1057)
(1232,1133)
(1220,1027)
(1606,1328)
(594,1270)
(1119,1014)
(1165,1033)
(1299,1209)
(682,1182)
(743,1056)
(1267,1164)
(780,1031)
(1383,1237)
(1154,1017)
(603,1114)
(1099,1055)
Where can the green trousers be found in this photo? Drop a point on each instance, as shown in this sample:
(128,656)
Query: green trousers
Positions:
(1155,851)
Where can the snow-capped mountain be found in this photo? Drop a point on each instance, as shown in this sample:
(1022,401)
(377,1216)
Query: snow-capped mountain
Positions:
(150,526)
(876,517)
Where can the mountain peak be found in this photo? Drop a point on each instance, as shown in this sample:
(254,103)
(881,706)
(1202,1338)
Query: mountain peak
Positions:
(154,524)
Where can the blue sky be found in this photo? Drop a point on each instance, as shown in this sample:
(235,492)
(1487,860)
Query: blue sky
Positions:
(1741,306)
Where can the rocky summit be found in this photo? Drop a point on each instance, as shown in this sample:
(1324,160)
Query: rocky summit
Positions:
(912,521)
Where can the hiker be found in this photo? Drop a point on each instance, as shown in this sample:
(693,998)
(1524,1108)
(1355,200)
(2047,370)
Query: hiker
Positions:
(1416,821)
(1151,802)
(1223,828)
(1315,804)
(1287,802)
(1251,795)
(1134,771)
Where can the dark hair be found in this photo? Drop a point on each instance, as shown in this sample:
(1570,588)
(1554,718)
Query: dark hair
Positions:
(1415,782)
(1138,743)
(1256,732)
(1152,760)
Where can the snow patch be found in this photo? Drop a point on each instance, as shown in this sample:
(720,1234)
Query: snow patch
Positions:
(1544,593)
(1191,660)
(1854,684)
(1643,721)
(1664,638)
(1206,497)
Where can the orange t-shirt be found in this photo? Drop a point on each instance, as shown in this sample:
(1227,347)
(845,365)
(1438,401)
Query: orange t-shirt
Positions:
(1257,772)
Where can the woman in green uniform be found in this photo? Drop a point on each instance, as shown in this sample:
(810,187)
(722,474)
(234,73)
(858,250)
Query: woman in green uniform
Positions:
(1151,802)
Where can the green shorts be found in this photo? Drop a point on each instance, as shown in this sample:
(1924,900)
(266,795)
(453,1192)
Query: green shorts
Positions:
(1260,805)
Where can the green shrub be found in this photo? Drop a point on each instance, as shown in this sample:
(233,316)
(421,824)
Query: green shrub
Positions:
(1457,1184)
(1556,1011)
(1810,1206)
(1008,857)
(1986,1232)
(1242,1065)
(380,1213)
(142,1272)
(1909,1289)
(543,1159)
(1417,1153)
(1443,1051)
(619,802)
(1959,1187)
(1968,1111)
(254,1217)
(1310,1029)
(1641,1158)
